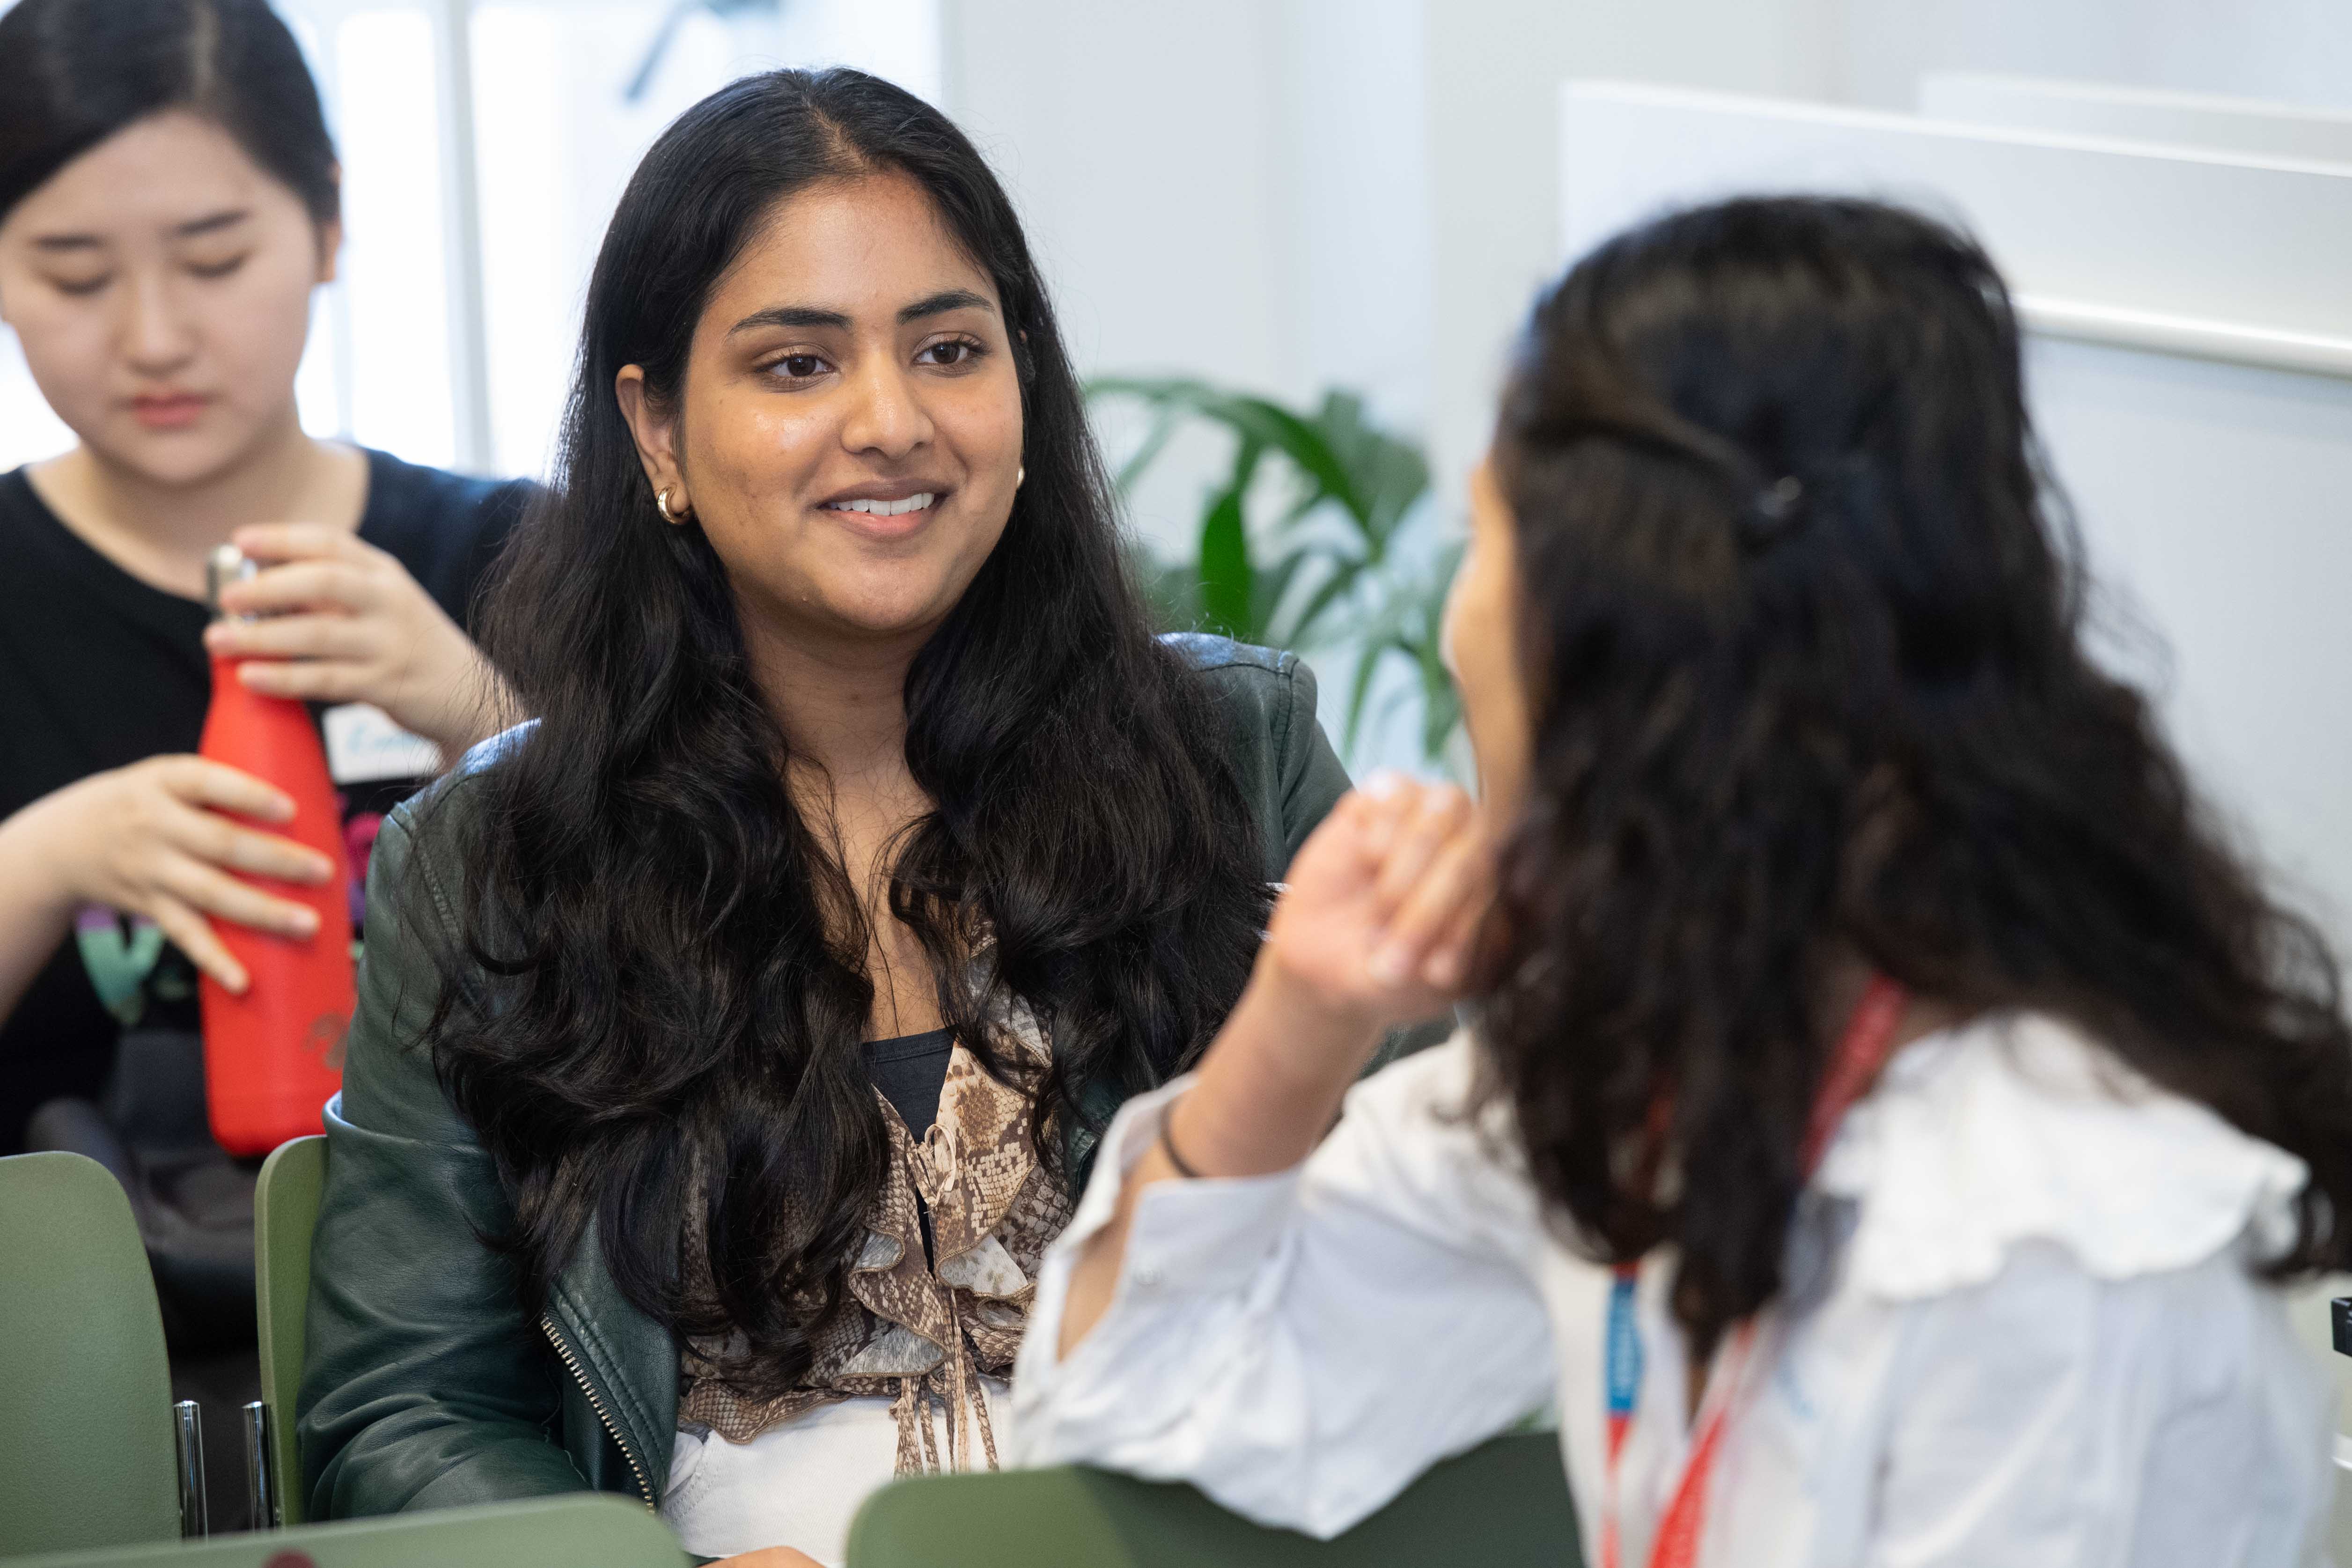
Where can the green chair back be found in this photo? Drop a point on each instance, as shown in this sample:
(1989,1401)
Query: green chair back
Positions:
(284,1213)
(86,1446)
(1500,1506)
(588,1530)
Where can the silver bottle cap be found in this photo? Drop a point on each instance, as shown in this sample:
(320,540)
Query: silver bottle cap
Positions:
(225,566)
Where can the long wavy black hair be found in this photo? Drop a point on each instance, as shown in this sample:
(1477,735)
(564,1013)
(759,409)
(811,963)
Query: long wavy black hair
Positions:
(1802,620)
(660,1011)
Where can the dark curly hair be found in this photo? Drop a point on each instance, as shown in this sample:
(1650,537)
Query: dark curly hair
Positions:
(1802,622)
(658,1011)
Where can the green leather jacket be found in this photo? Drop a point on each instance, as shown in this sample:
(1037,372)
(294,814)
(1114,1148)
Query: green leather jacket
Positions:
(424,1386)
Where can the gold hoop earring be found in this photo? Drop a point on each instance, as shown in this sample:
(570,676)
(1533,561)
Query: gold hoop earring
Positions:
(661,504)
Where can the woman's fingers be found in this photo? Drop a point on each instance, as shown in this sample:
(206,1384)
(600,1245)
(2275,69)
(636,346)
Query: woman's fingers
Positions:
(1452,956)
(1388,799)
(193,935)
(344,622)
(214,839)
(198,781)
(213,891)
(1376,895)
(1338,861)
(295,635)
(1438,813)
(349,586)
(307,679)
(1453,880)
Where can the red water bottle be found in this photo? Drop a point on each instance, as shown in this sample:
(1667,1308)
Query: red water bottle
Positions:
(274,1055)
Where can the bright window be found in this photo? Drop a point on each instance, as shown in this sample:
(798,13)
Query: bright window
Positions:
(421,322)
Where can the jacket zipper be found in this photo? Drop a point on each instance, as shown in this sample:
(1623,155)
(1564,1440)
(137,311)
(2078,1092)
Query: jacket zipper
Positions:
(596,1403)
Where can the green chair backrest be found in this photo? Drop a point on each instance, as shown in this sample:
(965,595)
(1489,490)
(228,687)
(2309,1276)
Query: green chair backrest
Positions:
(284,1213)
(86,1445)
(1500,1506)
(588,1530)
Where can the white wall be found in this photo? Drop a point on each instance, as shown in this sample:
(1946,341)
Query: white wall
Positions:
(1144,146)
(2257,127)
(1357,197)
(1288,195)
(2295,50)
(1231,189)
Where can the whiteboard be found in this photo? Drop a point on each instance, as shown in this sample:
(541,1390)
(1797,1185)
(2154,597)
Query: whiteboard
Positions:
(2246,125)
(2211,253)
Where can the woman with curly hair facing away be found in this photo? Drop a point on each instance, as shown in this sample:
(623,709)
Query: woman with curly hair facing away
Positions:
(1890,1109)
(751,1014)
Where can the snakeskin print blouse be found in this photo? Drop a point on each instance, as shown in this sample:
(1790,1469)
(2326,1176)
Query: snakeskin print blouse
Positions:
(919,1333)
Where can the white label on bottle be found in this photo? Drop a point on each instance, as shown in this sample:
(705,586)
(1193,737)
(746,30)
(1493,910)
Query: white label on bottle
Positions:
(363,746)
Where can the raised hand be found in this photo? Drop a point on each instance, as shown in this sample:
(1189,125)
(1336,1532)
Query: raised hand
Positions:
(1383,904)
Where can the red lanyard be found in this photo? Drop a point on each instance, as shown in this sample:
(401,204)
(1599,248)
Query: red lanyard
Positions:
(1862,1050)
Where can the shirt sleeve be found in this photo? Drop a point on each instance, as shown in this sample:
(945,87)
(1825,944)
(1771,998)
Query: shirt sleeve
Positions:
(1300,1346)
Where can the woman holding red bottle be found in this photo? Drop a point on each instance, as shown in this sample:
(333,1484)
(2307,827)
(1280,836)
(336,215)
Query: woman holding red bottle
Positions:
(168,203)
(165,211)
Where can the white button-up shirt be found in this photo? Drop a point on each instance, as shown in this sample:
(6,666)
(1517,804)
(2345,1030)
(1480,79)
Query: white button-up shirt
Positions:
(2036,1340)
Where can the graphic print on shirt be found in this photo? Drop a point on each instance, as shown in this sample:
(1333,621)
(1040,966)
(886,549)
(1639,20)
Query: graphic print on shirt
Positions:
(130,965)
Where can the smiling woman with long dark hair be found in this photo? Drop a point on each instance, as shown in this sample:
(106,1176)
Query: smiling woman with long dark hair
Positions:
(755,1007)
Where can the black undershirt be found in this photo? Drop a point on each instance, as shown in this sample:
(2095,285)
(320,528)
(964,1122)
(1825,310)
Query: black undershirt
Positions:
(99,669)
(910,1071)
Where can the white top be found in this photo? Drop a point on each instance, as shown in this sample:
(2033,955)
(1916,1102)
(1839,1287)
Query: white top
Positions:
(2039,1345)
(797,1484)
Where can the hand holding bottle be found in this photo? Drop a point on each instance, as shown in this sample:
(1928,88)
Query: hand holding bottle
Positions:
(161,838)
(342,621)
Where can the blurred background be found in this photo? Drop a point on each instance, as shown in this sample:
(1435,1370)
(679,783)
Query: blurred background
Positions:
(1279,199)
(1291,238)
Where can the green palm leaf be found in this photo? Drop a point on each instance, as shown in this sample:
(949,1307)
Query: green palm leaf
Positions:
(1352,588)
